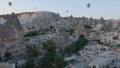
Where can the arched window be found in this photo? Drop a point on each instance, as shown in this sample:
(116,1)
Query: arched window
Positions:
(116,60)
(104,49)
(113,61)
(94,66)
(89,66)
(101,49)
(103,66)
(86,49)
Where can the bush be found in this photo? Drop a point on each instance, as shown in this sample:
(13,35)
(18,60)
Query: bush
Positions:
(32,33)
(87,27)
(69,49)
(8,55)
(70,31)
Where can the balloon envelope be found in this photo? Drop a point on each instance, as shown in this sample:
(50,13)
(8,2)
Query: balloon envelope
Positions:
(9,3)
(88,5)
(67,11)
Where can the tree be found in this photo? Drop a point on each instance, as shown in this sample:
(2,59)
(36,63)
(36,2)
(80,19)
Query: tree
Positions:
(70,31)
(87,27)
(69,49)
(107,66)
(80,43)
(59,60)
(32,54)
(8,55)
(49,46)
(48,59)
(51,59)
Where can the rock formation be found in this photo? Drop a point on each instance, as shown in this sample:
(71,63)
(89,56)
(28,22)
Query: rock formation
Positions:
(11,34)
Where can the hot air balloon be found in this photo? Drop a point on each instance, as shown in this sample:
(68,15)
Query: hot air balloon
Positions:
(10,3)
(67,11)
(88,5)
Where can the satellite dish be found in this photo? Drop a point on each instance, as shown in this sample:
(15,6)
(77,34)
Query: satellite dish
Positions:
(10,3)
(88,5)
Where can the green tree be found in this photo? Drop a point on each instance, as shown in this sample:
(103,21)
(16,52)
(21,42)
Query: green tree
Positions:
(107,66)
(70,31)
(33,51)
(8,55)
(87,27)
(80,43)
(32,54)
(59,60)
(48,59)
(50,46)
(70,49)
(51,59)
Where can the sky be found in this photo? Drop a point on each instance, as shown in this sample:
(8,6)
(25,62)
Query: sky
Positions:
(108,9)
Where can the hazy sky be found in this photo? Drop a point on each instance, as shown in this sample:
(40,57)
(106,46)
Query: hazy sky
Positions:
(99,8)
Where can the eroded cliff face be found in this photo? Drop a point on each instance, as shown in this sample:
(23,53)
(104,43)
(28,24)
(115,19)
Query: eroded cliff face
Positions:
(34,21)
(10,29)
(11,35)
(13,26)
(41,20)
